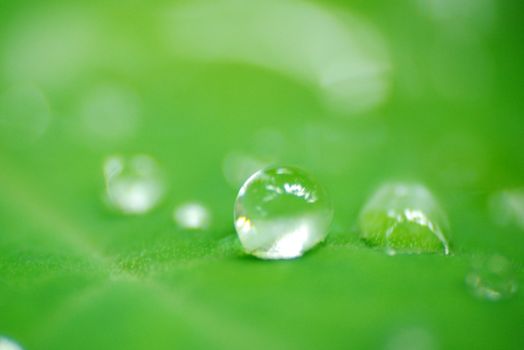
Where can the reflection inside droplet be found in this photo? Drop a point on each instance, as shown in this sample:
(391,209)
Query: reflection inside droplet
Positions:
(192,215)
(8,344)
(134,185)
(280,213)
(492,278)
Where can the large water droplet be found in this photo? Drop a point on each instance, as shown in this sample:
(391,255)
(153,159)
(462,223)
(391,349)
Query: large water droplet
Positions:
(492,278)
(134,185)
(281,212)
(193,215)
(8,344)
(404,218)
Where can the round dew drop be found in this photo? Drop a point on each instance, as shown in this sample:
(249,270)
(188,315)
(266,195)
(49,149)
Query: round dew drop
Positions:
(281,212)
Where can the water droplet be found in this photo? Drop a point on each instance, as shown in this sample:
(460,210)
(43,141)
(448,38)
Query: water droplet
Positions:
(8,344)
(404,218)
(411,338)
(492,278)
(281,212)
(134,185)
(192,215)
(507,207)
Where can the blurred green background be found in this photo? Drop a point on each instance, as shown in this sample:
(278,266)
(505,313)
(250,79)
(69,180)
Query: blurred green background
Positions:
(355,92)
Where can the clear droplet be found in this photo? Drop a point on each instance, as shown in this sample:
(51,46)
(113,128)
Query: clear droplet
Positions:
(194,216)
(404,218)
(8,344)
(134,185)
(281,212)
(492,278)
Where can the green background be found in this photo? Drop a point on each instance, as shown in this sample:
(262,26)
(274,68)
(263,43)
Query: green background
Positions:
(77,275)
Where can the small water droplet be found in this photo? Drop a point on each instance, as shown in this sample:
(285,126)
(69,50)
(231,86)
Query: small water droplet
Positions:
(492,278)
(8,344)
(134,185)
(404,218)
(281,212)
(193,215)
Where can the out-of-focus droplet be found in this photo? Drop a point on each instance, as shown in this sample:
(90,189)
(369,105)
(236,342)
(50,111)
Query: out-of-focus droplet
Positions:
(193,216)
(109,114)
(507,208)
(24,115)
(492,278)
(134,185)
(238,166)
(281,212)
(8,344)
(404,218)
(411,338)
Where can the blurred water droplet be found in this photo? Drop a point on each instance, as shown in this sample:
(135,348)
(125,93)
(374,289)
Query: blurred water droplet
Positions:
(507,207)
(280,213)
(134,185)
(192,215)
(411,338)
(238,166)
(492,278)
(341,55)
(109,114)
(24,115)
(404,218)
(8,344)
